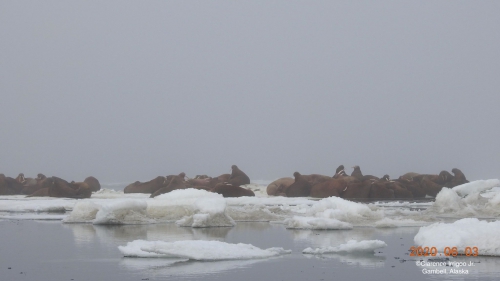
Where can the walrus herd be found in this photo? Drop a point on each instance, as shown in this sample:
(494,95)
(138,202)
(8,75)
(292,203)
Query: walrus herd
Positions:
(356,186)
(365,187)
(47,186)
(229,185)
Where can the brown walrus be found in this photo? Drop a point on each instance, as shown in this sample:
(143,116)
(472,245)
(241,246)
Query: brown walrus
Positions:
(458,178)
(30,189)
(332,187)
(357,173)
(277,187)
(177,182)
(430,187)
(147,187)
(83,189)
(229,190)
(9,186)
(93,183)
(238,177)
(378,190)
(339,172)
(299,188)
(413,186)
(61,188)
(399,190)
(357,190)
(20,178)
(42,192)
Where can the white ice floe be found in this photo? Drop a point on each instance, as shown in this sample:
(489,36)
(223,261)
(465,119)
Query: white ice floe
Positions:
(19,203)
(112,194)
(476,186)
(127,211)
(252,213)
(351,247)
(399,222)
(315,223)
(198,250)
(344,210)
(123,212)
(448,202)
(469,232)
(191,207)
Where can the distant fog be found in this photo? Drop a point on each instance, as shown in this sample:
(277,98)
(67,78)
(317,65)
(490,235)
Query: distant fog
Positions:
(129,90)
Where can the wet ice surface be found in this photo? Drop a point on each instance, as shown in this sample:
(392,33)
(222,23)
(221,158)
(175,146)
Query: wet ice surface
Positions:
(92,230)
(198,250)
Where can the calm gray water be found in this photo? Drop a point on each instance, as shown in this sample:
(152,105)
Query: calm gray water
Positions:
(38,250)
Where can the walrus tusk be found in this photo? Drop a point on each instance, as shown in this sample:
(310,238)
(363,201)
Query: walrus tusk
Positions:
(345,188)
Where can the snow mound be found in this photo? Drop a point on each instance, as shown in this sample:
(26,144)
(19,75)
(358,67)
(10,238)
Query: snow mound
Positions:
(476,186)
(448,201)
(191,207)
(343,210)
(126,211)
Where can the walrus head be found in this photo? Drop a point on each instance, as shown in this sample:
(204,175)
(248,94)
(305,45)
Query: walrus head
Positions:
(357,172)
(21,177)
(296,175)
(41,176)
(458,174)
(234,167)
(386,178)
(339,169)
(445,176)
(182,175)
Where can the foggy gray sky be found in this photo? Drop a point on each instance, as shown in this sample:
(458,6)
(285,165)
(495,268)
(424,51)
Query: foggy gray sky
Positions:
(129,90)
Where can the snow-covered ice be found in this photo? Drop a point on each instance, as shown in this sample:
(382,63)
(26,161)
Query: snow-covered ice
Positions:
(468,232)
(198,250)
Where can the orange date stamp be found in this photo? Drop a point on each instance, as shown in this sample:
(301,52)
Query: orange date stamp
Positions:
(447,251)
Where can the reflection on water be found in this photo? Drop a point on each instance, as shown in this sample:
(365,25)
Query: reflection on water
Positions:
(121,234)
(361,260)
(325,238)
(394,258)
(178,267)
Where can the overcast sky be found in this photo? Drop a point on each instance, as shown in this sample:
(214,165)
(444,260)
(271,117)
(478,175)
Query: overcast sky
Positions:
(129,90)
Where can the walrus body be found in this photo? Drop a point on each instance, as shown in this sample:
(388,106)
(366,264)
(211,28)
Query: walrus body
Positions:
(332,187)
(277,187)
(238,177)
(9,186)
(378,190)
(357,190)
(42,192)
(93,183)
(147,187)
(61,188)
(229,190)
(299,188)
(177,182)
(83,189)
(30,189)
